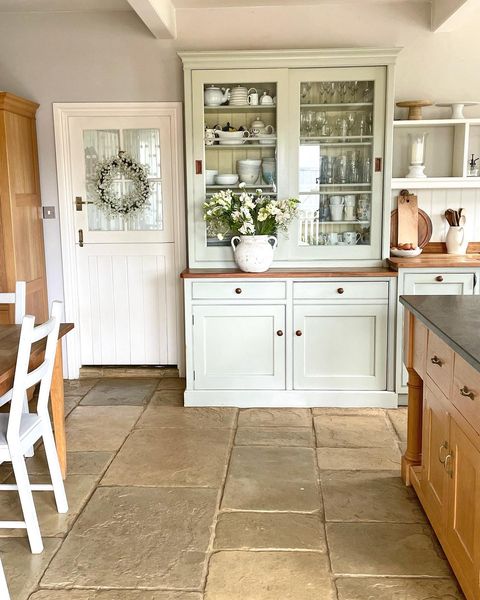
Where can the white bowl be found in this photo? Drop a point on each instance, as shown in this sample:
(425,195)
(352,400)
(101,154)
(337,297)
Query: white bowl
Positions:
(230,135)
(226,179)
(210,176)
(249,163)
(250,177)
(405,253)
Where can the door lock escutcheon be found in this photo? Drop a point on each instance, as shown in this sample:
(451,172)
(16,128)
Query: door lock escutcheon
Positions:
(80,238)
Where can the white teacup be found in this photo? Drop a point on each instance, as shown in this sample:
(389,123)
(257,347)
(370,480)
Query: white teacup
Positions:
(252,99)
(336,212)
(351,237)
(332,238)
(336,200)
(350,200)
(349,213)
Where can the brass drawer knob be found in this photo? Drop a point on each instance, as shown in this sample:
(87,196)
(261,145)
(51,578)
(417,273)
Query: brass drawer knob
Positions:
(238,290)
(298,333)
(436,361)
(279,333)
(464,391)
(439,278)
(340,290)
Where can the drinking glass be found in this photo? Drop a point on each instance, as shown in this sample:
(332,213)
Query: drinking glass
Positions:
(353,173)
(341,169)
(367,91)
(353,88)
(351,122)
(305,88)
(323,92)
(342,127)
(362,124)
(331,92)
(320,120)
(367,170)
(342,91)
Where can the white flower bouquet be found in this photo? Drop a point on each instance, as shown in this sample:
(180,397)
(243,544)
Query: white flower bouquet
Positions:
(248,214)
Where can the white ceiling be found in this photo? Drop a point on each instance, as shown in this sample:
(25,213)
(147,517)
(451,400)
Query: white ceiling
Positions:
(123,5)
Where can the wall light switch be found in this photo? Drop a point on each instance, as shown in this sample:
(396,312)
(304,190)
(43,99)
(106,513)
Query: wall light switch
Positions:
(48,212)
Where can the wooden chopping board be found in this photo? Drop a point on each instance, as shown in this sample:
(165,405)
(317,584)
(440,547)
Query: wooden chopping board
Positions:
(407,219)
(424,228)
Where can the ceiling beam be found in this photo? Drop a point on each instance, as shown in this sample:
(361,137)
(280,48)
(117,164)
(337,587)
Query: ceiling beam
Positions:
(158,15)
(448,15)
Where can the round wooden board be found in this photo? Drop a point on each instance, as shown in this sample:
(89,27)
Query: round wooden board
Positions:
(424,228)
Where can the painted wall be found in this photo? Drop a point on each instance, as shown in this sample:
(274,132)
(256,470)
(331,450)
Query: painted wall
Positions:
(65,57)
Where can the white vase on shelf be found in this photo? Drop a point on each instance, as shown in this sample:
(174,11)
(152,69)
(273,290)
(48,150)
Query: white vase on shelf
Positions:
(456,240)
(253,253)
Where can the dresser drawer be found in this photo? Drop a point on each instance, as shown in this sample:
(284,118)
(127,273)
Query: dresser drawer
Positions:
(420,336)
(341,290)
(439,283)
(440,363)
(466,391)
(238,290)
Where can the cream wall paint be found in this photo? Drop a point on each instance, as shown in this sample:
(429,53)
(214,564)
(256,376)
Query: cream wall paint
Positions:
(64,57)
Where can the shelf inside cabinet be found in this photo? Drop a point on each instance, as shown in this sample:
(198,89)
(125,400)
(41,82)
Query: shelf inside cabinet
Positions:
(337,192)
(236,186)
(240,109)
(426,183)
(239,146)
(339,105)
(306,140)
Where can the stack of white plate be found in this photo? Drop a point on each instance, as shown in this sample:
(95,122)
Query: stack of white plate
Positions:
(249,170)
(238,96)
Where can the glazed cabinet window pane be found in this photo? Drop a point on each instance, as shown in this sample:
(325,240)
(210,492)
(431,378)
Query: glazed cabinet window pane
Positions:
(144,146)
(335,162)
(240,122)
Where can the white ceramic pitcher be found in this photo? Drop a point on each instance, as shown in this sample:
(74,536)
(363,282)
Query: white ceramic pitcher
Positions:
(456,240)
(253,253)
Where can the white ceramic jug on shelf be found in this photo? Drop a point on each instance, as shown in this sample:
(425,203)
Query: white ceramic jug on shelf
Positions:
(456,240)
(253,253)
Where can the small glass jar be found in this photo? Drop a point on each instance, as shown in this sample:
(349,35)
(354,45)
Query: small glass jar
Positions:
(417,143)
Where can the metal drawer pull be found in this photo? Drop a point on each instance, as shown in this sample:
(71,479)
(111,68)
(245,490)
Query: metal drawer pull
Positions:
(238,291)
(441,458)
(279,333)
(448,464)
(436,361)
(340,290)
(464,391)
(439,278)
(298,333)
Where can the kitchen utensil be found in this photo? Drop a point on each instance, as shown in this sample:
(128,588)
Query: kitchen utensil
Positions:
(407,219)
(414,108)
(363,208)
(226,179)
(210,176)
(214,96)
(424,228)
(266,139)
(238,96)
(249,170)
(456,240)
(457,107)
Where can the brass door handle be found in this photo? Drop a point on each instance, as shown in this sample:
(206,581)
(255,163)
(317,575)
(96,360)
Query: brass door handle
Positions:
(436,361)
(80,238)
(441,458)
(464,391)
(448,464)
(79,203)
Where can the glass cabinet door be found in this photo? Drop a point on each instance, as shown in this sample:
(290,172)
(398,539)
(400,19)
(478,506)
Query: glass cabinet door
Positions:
(240,129)
(337,170)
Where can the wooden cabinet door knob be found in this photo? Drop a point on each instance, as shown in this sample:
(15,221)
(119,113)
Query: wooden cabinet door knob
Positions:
(279,333)
(298,333)
(439,278)
(238,290)
(340,290)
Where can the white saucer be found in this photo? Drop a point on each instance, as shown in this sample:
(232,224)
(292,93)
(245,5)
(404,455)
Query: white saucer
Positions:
(457,107)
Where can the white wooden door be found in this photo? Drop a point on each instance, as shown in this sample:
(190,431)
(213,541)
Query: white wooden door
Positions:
(340,347)
(239,347)
(125,265)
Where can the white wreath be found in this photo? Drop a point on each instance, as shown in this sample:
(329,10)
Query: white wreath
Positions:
(134,201)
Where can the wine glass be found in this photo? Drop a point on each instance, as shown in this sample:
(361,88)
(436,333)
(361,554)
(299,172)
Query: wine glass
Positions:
(331,92)
(305,88)
(353,90)
(342,91)
(367,90)
(309,122)
(351,122)
(320,120)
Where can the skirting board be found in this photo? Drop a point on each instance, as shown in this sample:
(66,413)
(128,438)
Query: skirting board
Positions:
(290,399)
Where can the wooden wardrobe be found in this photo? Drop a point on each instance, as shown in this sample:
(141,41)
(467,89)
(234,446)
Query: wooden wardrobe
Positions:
(22,251)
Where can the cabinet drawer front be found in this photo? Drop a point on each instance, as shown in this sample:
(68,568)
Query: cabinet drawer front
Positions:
(420,336)
(440,284)
(341,290)
(440,363)
(466,391)
(238,290)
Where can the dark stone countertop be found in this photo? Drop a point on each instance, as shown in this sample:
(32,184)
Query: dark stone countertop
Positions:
(455,319)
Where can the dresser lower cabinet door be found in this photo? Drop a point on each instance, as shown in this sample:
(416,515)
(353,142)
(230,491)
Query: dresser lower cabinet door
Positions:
(239,347)
(463,524)
(341,347)
(435,449)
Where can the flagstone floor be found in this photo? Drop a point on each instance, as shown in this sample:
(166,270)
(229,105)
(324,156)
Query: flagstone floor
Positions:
(173,503)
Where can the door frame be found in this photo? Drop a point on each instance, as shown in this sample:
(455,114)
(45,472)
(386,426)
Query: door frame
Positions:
(62,113)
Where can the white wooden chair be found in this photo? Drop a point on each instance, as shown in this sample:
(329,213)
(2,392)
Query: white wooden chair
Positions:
(19,298)
(20,430)
(4,595)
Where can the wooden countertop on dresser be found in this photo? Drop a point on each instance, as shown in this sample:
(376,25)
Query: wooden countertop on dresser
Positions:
(432,261)
(289,273)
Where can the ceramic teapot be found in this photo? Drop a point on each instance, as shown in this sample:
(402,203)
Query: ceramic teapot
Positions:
(257,126)
(214,96)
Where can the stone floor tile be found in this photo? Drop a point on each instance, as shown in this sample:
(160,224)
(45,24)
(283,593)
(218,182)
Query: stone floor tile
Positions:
(398,417)
(171,457)
(369,496)
(366,588)
(355,459)
(173,416)
(385,549)
(71,402)
(52,523)
(351,412)
(276,417)
(272,478)
(92,428)
(167,398)
(171,383)
(137,537)
(133,372)
(78,387)
(22,568)
(269,576)
(335,431)
(112,595)
(169,372)
(270,531)
(78,463)
(274,436)
(117,392)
